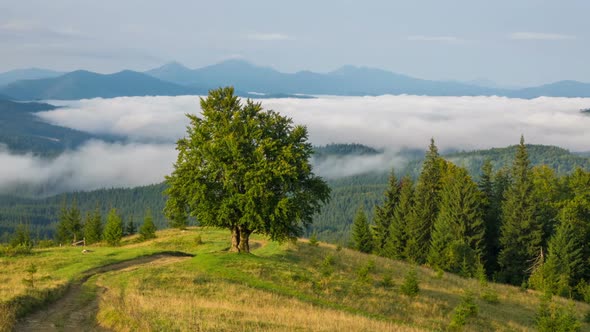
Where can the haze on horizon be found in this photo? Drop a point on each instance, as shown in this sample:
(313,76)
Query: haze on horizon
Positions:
(526,42)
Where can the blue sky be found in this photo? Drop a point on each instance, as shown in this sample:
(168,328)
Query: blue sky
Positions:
(518,42)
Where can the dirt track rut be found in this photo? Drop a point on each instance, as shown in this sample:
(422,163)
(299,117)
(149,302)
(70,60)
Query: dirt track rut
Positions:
(75,310)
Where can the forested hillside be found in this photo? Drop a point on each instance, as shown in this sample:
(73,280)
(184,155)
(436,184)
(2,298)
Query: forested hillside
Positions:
(22,132)
(333,224)
(41,215)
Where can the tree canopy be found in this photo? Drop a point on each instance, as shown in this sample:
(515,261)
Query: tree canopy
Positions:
(246,169)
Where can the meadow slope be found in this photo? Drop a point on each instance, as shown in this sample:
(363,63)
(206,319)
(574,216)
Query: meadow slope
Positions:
(287,287)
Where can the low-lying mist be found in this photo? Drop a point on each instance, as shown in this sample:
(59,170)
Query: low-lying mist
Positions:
(151,125)
(94,165)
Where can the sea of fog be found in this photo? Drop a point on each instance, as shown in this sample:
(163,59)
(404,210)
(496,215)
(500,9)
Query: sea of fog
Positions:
(151,126)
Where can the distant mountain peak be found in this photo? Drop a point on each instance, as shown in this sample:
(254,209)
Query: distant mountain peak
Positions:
(172,66)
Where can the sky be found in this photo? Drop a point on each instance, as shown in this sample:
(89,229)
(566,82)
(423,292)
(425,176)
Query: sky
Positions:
(151,126)
(511,42)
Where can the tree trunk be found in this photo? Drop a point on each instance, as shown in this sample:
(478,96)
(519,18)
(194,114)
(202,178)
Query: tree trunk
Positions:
(235,239)
(244,245)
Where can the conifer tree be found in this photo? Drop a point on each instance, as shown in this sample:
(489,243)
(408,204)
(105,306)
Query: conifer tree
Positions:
(361,232)
(21,236)
(384,214)
(568,250)
(425,209)
(396,242)
(458,236)
(93,227)
(69,228)
(130,227)
(547,195)
(521,234)
(148,229)
(113,230)
(578,184)
(490,219)
(501,180)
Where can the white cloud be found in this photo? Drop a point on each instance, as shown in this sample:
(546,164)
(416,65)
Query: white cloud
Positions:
(268,36)
(337,167)
(540,36)
(389,122)
(94,165)
(140,119)
(381,121)
(441,39)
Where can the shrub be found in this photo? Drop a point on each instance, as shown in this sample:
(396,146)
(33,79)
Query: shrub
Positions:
(411,286)
(327,265)
(18,250)
(583,289)
(490,296)
(148,228)
(465,310)
(387,281)
(46,244)
(313,240)
(551,317)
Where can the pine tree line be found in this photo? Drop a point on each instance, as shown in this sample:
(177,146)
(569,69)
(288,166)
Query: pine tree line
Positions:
(71,228)
(524,225)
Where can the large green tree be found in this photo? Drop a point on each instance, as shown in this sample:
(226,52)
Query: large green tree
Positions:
(425,209)
(246,169)
(458,235)
(521,232)
(384,214)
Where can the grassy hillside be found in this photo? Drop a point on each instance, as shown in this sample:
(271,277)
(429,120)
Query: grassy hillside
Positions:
(287,287)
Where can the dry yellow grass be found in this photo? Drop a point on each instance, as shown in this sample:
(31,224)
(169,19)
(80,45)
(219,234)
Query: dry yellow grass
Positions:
(289,287)
(284,287)
(222,306)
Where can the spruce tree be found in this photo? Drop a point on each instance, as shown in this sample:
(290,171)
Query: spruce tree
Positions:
(425,209)
(396,242)
(93,227)
(21,236)
(547,195)
(384,214)
(148,229)
(500,183)
(567,257)
(130,227)
(490,219)
(361,232)
(69,228)
(458,236)
(113,230)
(521,234)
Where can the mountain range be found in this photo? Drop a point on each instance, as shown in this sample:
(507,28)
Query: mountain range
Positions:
(254,81)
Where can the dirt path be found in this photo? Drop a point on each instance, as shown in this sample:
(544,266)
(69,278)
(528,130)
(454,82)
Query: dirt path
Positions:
(76,310)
